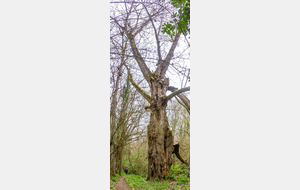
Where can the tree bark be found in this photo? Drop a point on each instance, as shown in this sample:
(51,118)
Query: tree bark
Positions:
(160,137)
(176,152)
(112,161)
(182,97)
(177,92)
(120,157)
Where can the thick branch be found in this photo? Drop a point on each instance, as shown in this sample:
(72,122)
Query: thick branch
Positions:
(166,62)
(142,65)
(176,152)
(187,108)
(145,70)
(142,92)
(176,93)
(182,97)
(114,151)
(172,49)
(185,100)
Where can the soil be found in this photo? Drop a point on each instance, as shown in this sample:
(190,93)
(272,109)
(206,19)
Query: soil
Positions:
(122,185)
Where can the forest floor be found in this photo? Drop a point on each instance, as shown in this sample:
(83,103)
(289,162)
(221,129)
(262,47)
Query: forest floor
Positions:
(177,179)
(122,185)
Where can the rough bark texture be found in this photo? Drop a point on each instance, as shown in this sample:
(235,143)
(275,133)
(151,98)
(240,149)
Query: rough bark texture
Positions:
(112,161)
(160,138)
(119,160)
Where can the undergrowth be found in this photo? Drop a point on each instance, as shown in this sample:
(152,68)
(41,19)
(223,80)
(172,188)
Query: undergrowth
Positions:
(178,179)
(115,179)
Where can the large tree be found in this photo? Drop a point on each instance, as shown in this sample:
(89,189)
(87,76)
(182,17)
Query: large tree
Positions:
(142,21)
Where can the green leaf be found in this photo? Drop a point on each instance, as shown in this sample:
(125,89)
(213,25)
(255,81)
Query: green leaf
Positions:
(182,22)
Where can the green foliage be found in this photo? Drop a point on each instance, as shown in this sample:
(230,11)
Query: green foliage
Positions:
(139,166)
(180,19)
(123,173)
(171,176)
(178,178)
(168,29)
(179,173)
(136,181)
(135,159)
(182,179)
(179,167)
(114,180)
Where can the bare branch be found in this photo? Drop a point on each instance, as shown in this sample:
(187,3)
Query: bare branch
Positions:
(156,35)
(145,70)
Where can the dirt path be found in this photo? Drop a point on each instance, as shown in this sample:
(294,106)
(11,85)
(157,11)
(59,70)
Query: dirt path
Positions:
(122,185)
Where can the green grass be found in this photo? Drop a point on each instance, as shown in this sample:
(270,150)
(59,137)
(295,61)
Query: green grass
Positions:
(177,179)
(141,183)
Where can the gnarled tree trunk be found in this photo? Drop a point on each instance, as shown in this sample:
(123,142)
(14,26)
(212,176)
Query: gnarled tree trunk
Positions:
(160,138)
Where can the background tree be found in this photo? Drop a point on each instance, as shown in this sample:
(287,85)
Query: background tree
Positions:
(179,119)
(126,110)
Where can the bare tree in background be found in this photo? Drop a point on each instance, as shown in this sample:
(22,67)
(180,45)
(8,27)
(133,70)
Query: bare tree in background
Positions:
(126,108)
(141,23)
